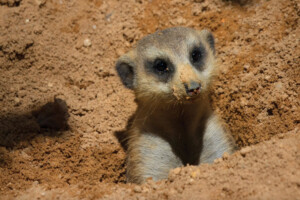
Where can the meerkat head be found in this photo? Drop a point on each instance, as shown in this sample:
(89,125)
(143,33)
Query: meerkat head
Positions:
(175,64)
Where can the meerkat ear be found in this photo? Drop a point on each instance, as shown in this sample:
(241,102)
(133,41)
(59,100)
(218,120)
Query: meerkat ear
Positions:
(125,67)
(208,36)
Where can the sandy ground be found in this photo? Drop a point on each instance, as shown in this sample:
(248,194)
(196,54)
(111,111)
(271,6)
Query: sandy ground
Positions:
(61,101)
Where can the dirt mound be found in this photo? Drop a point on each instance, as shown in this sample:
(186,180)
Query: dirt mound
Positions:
(256,172)
(61,100)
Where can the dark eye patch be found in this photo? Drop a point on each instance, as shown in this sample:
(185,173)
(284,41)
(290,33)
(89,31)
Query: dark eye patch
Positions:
(162,68)
(197,56)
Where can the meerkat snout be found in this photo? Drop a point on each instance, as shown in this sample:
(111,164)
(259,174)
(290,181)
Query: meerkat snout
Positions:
(193,88)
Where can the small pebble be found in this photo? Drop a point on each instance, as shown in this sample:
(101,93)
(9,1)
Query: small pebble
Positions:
(176,170)
(280,136)
(87,42)
(218,160)
(244,101)
(191,181)
(181,20)
(267,77)
(9,185)
(225,156)
(35,183)
(195,173)
(246,66)
(245,150)
(154,187)
(40,3)
(137,189)
(17,100)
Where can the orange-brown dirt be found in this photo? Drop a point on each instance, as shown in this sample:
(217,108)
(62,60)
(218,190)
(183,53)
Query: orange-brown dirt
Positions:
(61,100)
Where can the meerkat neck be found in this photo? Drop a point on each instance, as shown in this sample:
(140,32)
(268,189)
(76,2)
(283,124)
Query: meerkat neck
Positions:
(183,116)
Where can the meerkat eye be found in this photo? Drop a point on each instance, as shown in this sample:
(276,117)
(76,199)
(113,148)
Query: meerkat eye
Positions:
(162,68)
(196,55)
(160,65)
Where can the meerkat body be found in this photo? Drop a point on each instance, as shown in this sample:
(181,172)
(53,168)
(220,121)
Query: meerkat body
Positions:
(170,72)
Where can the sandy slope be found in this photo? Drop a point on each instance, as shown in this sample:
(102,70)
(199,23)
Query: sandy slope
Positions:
(65,50)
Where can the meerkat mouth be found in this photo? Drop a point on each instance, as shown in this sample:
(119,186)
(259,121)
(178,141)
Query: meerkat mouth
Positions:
(193,99)
(190,96)
(188,99)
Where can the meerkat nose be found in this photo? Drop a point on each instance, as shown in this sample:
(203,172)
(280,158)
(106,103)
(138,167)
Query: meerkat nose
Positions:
(193,88)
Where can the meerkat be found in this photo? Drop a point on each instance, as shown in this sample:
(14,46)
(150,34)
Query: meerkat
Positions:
(170,72)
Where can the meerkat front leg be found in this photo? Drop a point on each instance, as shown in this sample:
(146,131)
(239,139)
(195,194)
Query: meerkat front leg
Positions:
(150,156)
(216,141)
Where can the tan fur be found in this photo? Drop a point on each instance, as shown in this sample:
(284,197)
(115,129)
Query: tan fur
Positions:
(171,129)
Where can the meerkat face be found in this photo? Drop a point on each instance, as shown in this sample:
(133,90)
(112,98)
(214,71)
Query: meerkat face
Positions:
(176,64)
